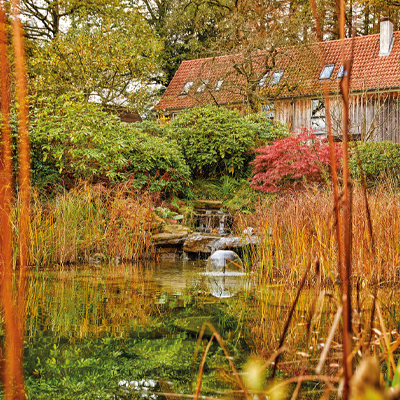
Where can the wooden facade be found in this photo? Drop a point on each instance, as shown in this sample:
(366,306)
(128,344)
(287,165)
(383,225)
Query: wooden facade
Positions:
(374,117)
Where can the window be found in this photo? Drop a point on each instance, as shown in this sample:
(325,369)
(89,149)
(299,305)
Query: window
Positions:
(276,77)
(269,110)
(174,115)
(263,79)
(318,115)
(186,88)
(340,73)
(219,84)
(327,71)
(202,86)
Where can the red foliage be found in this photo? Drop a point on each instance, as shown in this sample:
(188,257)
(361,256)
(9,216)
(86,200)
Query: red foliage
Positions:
(293,160)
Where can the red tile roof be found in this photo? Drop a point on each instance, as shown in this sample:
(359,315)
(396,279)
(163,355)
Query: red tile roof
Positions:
(302,66)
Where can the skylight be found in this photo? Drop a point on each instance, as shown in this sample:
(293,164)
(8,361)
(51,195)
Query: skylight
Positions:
(263,79)
(340,73)
(219,84)
(327,71)
(276,77)
(186,88)
(202,86)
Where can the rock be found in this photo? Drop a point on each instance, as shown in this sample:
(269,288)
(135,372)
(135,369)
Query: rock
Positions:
(208,243)
(171,235)
(249,231)
(207,204)
(167,253)
(97,258)
(200,243)
(176,229)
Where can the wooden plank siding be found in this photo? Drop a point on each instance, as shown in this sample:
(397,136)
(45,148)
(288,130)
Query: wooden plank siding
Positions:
(372,117)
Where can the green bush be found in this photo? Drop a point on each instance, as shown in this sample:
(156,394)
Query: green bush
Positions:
(153,128)
(74,140)
(217,141)
(378,160)
(266,130)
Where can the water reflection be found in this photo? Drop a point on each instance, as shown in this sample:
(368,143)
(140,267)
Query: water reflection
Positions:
(131,323)
(113,300)
(90,329)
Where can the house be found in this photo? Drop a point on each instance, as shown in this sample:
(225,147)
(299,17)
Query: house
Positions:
(288,84)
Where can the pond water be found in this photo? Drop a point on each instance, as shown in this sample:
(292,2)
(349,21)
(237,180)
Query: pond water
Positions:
(130,331)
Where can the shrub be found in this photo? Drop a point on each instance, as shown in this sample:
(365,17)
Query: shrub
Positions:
(217,141)
(378,160)
(153,128)
(155,163)
(291,161)
(75,140)
(266,130)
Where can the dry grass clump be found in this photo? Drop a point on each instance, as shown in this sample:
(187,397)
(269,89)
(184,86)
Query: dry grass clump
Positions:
(90,221)
(296,228)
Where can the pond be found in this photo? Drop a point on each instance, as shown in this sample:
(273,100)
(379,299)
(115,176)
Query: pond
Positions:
(131,331)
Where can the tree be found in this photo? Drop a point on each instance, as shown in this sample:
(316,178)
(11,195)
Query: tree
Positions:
(110,58)
(295,160)
(45,19)
(186,29)
(255,36)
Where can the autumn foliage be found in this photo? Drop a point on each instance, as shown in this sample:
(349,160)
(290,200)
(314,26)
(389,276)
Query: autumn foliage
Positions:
(293,161)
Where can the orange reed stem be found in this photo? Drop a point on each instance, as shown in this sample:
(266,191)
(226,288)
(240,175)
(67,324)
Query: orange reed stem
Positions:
(13,380)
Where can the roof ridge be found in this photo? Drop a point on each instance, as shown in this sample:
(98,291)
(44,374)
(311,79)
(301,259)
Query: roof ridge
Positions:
(324,42)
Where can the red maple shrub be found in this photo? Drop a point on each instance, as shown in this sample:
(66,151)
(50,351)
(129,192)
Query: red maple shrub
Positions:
(291,161)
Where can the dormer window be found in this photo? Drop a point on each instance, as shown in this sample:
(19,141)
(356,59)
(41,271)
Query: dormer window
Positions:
(263,79)
(219,84)
(202,86)
(327,71)
(186,88)
(276,77)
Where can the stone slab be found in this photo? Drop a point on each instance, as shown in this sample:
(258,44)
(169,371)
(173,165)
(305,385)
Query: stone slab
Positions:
(205,243)
(207,204)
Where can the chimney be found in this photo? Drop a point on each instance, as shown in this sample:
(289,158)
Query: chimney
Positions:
(386,36)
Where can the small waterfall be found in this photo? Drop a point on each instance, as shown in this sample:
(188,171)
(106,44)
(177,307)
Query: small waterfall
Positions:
(222,225)
(211,218)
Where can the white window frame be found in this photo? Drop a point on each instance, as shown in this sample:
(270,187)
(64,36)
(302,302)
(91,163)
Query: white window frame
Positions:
(219,84)
(202,86)
(174,115)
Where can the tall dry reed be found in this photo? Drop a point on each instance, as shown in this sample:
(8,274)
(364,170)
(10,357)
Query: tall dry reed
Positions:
(298,227)
(13,288)
(88,222)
